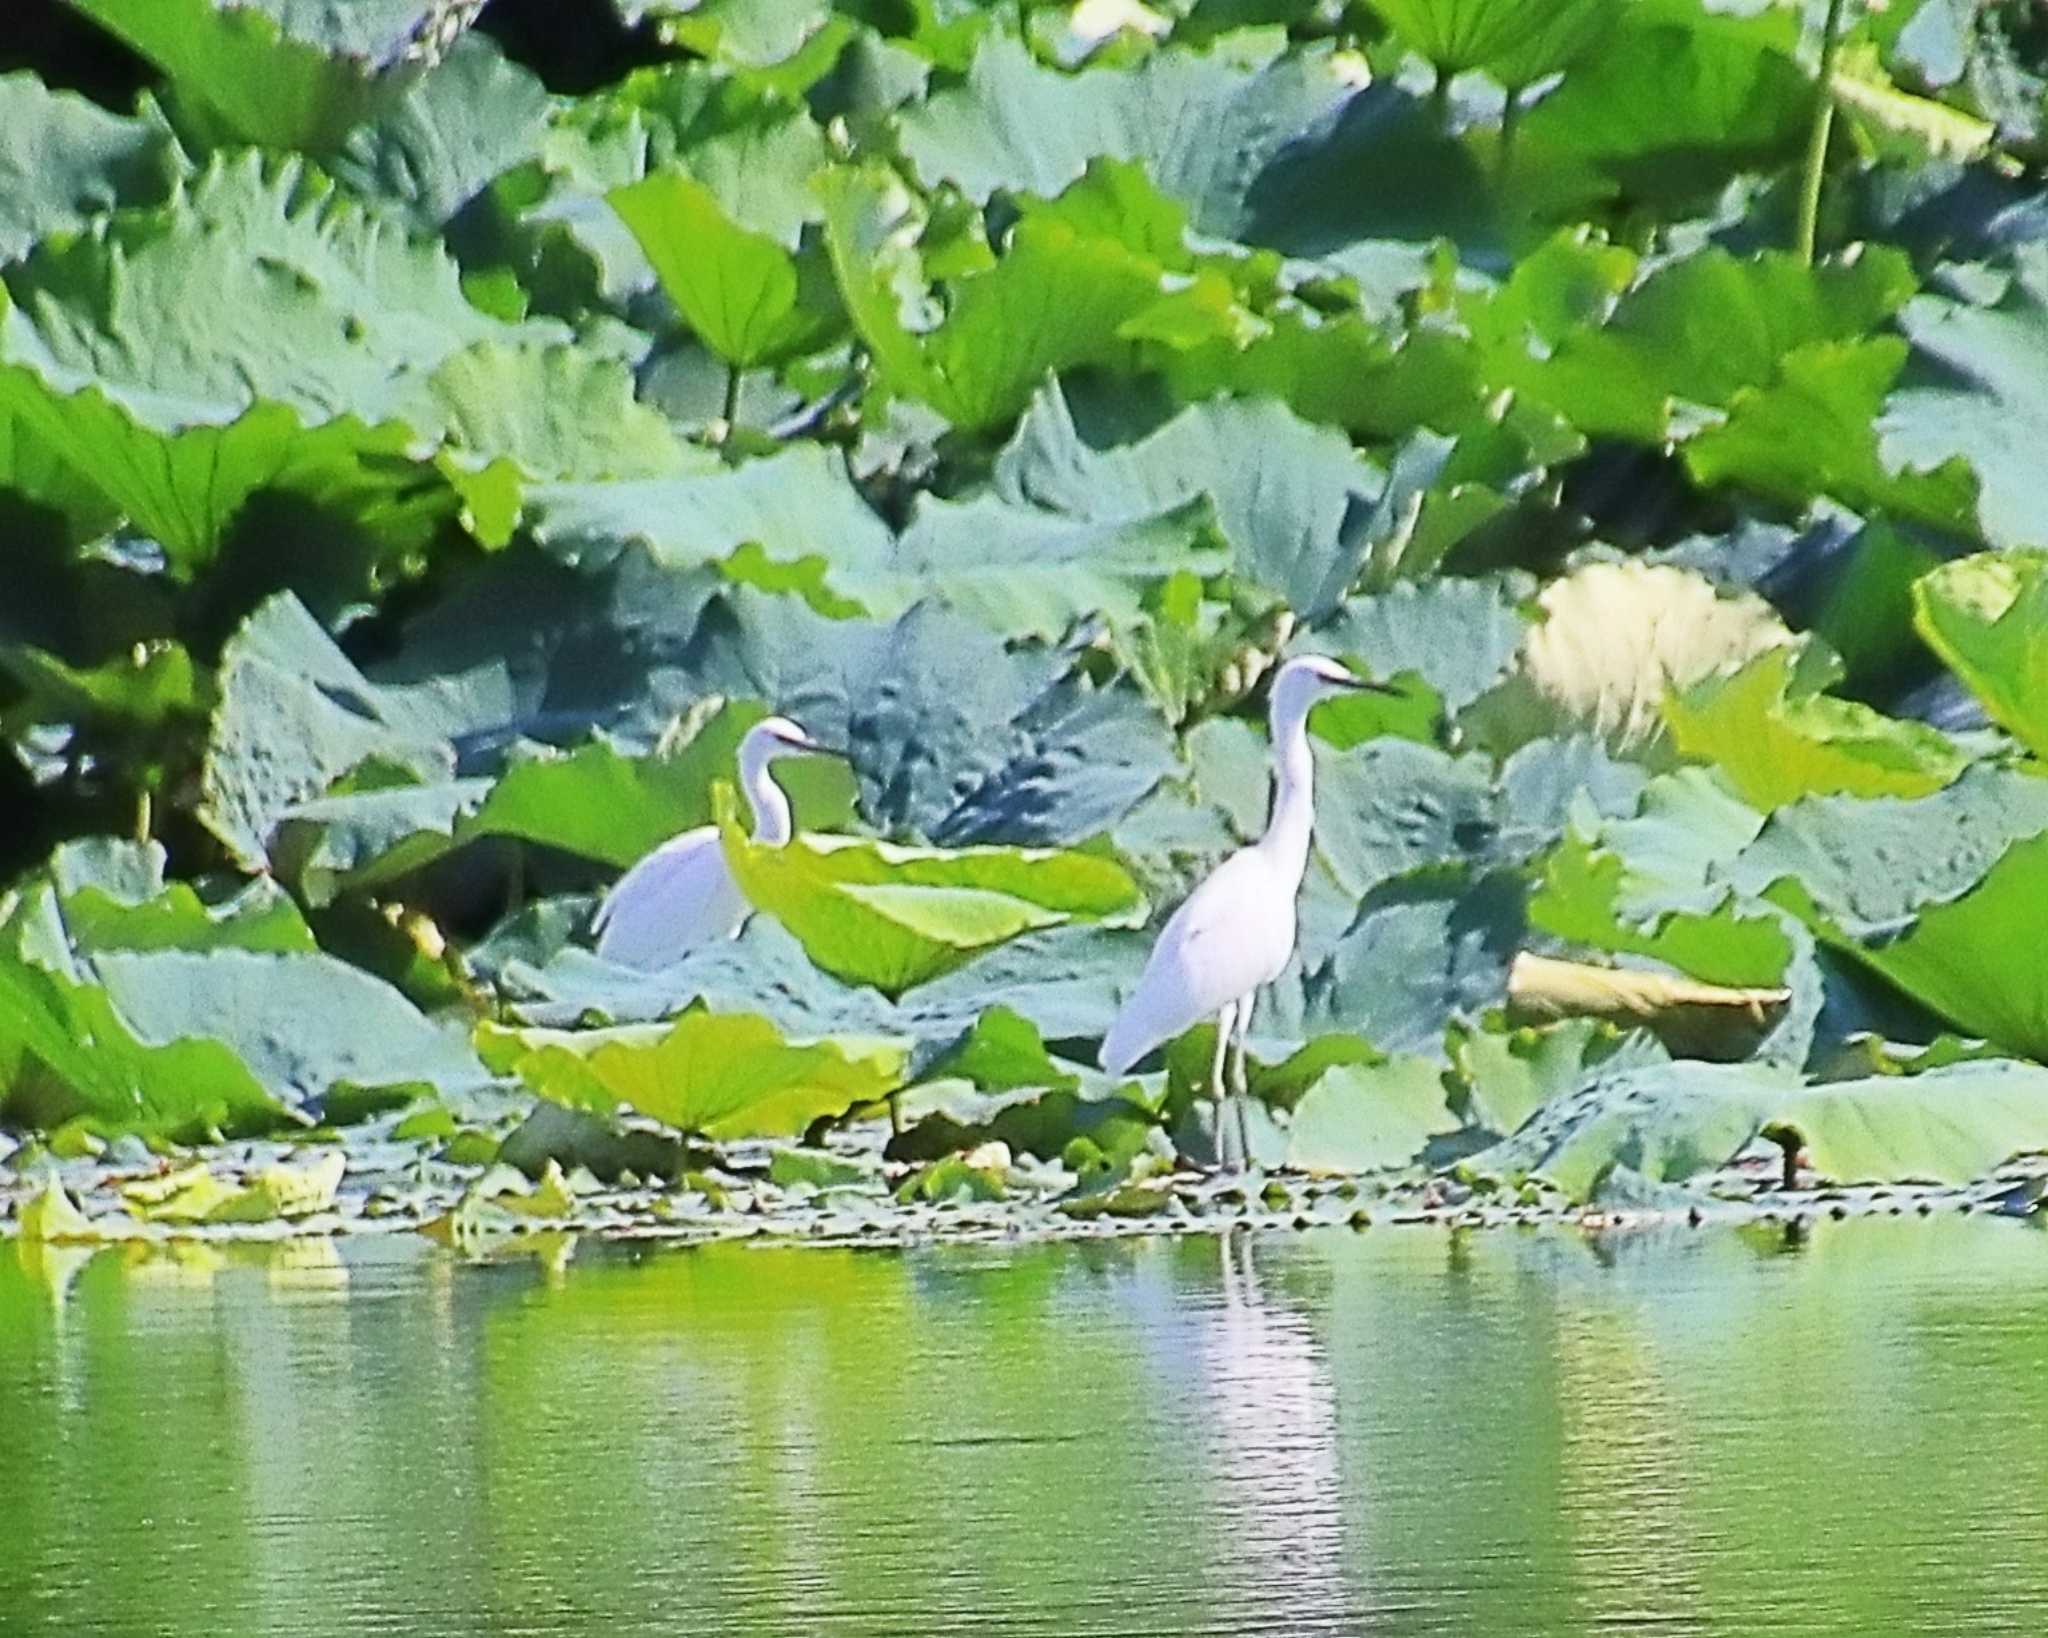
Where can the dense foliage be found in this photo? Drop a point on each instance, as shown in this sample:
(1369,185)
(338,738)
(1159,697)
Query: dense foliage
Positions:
(427,440)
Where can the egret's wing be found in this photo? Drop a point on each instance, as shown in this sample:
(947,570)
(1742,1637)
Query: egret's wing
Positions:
(678,897)
(1215,949)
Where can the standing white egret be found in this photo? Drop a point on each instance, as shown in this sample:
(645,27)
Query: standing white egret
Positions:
(682,894)
(1235,932)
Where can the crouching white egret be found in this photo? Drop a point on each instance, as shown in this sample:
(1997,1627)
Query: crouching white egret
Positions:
(682,894)
(1235,932)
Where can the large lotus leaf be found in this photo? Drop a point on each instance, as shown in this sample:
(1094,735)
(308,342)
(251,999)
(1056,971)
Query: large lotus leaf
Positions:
(1676,98)
(1987,617)
(1974,389)
(712,1074)
(752,149)
(1066,981)
(281,73)
(798,506)
(307,1026)
(951,736)
(1516,41)
(1673,1122)
(746,34)
(1204,127)
(296,715)
(1612,641)
(309,301)
(1391,806)
(319,324)
(1510,1074)
(1283,490)
(1456,636)
(66,1052)
(1871,865)
(1813,431)
(1055,298)
(185,487)
(1031,573)
(1341,371)
(763,970)
(1547,784)
(1420,952)
(1367,1117)
(749,299)
(154,689)
(512,417)
(1934,894)
(1701,328)
(473,118)
(68,160)
(895,917)
(1776,746)
(1653,885)
(113,896)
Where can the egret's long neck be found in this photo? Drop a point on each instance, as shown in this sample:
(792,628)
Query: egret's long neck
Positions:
(1294,779)
(772,822)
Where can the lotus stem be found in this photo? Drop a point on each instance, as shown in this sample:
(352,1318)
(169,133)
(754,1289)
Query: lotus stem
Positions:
(1808,229)
(1510,123)
(731,409)
(145,815)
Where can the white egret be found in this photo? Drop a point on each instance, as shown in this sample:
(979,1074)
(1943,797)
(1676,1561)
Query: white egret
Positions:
(1235,932)
(682,895)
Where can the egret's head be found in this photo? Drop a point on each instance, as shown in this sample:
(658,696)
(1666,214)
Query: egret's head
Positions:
(772,737)
(1302,681)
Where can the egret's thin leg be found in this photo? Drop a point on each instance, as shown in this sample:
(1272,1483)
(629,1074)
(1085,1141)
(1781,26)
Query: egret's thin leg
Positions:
(1224,1021)
(1240,1083)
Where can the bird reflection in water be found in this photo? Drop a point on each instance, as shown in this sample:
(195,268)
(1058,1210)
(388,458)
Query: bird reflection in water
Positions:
(1275,1469)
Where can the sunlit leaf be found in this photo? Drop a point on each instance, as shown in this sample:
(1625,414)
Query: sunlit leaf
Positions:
(1776,746)
(708,1073)
(896,917)
(1987,617)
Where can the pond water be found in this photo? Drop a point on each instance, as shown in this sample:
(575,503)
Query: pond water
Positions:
(1399,1431)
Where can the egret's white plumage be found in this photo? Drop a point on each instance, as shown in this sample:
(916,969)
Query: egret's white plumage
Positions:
(1235,933)
(682,895)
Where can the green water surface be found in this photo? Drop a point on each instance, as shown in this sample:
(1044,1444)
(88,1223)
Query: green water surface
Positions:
(1400,1431)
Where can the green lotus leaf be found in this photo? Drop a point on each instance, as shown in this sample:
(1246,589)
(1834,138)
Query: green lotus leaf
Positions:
(1776,746)
(1633,376)
(895,917)
(710,1074)
(428,156)
(1973,392)
(747,297)
(1283,490)
(275,72)
(797,507)
(1931,893)
(1202,126)
(1369,1117)
(319,326)
(70,160)
(1987,617)
(1515,41)
(1673,1122)
(1676,100)
(312,1029)
(67,1052)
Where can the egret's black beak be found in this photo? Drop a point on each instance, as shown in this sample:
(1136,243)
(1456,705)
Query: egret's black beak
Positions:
(810,745)
(1366,685)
